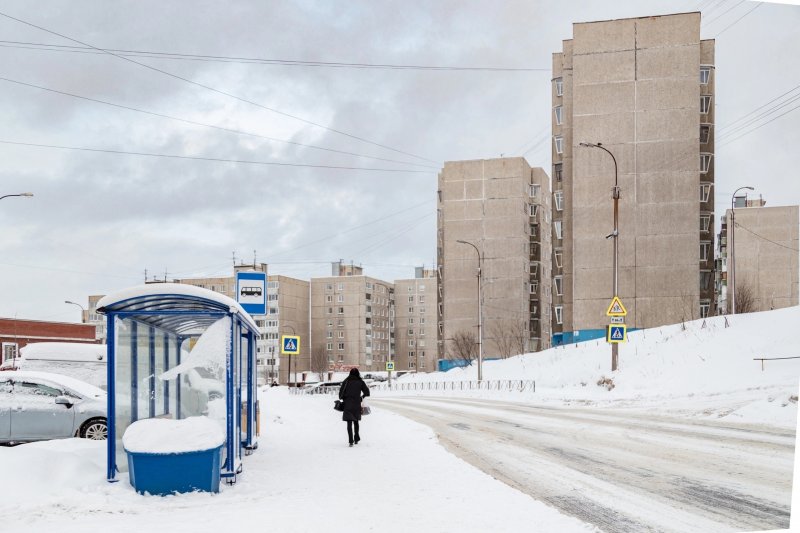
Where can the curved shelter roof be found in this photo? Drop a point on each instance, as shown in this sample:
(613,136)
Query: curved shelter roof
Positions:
(183,309)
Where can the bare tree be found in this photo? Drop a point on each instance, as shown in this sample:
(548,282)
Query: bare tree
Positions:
(319,360)
(509,337)
(745,298)
(688,308)
(463,346)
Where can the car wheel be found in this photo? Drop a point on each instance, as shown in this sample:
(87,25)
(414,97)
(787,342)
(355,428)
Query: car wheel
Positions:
(95,429)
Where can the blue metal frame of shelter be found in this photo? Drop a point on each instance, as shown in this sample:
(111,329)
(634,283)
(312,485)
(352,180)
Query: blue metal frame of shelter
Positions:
(182,316)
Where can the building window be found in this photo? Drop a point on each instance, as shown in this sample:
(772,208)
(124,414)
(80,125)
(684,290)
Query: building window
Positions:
(341,323)
(341,334)
(329,334)
(558,198)
(411,320)
(10,351)
(534,270)
(705,104)
(705,247)
(559,83)
(422,288)
(411,310)
(411,332)
(705,192)
(558,170)
(341,310)
(558,256)
(558,285)
(705,222)
(559,112)
(705,74)
(705,280)
(340,298)
(705,133)
(704,306)
(559,143)
(533,191)
(534,287)
(329,287)
(340,286)
(341,346)
(533,209)
(422,310)
(411,343)
(559,312)
(329,298)
(422,299)
(410,299)
(534,230)
(558,226)
(329,346)
(705,162)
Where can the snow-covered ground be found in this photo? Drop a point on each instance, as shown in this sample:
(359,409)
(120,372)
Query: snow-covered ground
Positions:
(700,370)
(304,477)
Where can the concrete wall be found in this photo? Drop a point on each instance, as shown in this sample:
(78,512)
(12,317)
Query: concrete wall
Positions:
(487,203)
(765,253)
(633,85)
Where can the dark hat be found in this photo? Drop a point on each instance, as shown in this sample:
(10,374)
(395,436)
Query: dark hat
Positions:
(354,373)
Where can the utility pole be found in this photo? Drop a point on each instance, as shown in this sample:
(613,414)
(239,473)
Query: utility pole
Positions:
(614,235)
(480,312)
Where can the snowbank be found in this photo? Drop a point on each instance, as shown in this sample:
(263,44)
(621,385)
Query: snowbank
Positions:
(64,351)
(161,435)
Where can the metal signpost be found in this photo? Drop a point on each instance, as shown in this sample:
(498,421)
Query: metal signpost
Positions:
(617,331)
(290,345)
(389,368)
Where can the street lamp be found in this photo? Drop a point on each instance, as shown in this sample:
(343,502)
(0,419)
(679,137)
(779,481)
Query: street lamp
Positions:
(289,370)
(731,267)
(25,194)
(79,305)
(480,313)
(615,236)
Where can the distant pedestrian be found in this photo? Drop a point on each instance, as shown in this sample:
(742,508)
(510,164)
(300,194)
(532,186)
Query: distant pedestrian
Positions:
(352,392)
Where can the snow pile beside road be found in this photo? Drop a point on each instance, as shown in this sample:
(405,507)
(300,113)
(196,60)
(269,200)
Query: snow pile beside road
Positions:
(702,368)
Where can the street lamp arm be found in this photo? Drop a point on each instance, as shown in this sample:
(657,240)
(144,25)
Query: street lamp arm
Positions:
(24,194)
(600,145)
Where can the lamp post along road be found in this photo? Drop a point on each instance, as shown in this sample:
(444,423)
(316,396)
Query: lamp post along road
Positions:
(614,235)
(732,261)
(79,305)
(480,312)
(24,194)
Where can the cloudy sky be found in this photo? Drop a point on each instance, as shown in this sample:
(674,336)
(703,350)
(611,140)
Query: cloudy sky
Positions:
(306,163)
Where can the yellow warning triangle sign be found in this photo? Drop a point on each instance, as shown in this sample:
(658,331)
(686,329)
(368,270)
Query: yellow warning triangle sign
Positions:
(616,308)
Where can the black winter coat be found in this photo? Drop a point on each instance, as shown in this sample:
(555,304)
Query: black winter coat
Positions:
(351,392)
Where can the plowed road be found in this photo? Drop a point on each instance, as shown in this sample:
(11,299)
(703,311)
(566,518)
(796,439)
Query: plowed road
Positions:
(620,471)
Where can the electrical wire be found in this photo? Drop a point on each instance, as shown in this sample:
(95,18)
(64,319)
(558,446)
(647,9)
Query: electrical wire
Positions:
(195,123)
(766,239)
(211,159)
(737,20)
(250,60)
(218,91)
(711,21)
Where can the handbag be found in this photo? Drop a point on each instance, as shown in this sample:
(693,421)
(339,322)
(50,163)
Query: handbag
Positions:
(365,409)
(338,405)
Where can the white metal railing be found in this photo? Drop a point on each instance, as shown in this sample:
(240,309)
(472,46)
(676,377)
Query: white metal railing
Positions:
(511,385)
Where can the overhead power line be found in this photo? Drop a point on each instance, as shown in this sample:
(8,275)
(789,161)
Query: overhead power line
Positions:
(213,159)
(737,20)
(195,123)
(256,61)
(219,91)
(764,238)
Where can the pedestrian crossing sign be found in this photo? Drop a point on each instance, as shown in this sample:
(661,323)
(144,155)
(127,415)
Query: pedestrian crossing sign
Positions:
(389,366)
(617,333)
(290,345)
(616,308)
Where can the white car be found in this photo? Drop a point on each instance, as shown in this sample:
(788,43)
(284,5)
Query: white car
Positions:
(42,406)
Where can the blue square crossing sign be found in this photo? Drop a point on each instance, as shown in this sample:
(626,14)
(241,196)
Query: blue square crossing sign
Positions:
(290,345)
(617,333)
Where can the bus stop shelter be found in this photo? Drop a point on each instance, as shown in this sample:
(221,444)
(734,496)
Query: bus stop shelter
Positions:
(177,351)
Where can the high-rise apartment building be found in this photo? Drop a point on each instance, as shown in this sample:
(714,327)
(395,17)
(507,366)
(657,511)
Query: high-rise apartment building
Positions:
(351,319)
(644,89)
(416,322)
(500,209)
(764,243)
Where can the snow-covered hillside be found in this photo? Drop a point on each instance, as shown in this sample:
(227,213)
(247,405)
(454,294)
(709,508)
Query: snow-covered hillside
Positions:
(702,368)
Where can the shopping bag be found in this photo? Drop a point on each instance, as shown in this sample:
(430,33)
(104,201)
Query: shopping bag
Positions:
(365,409)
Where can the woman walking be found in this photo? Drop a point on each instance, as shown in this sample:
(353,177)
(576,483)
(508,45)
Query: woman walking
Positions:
(352,392)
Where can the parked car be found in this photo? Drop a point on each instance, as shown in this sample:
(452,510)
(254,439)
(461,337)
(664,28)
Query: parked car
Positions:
(42,406)
(323,387)
(84,362)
